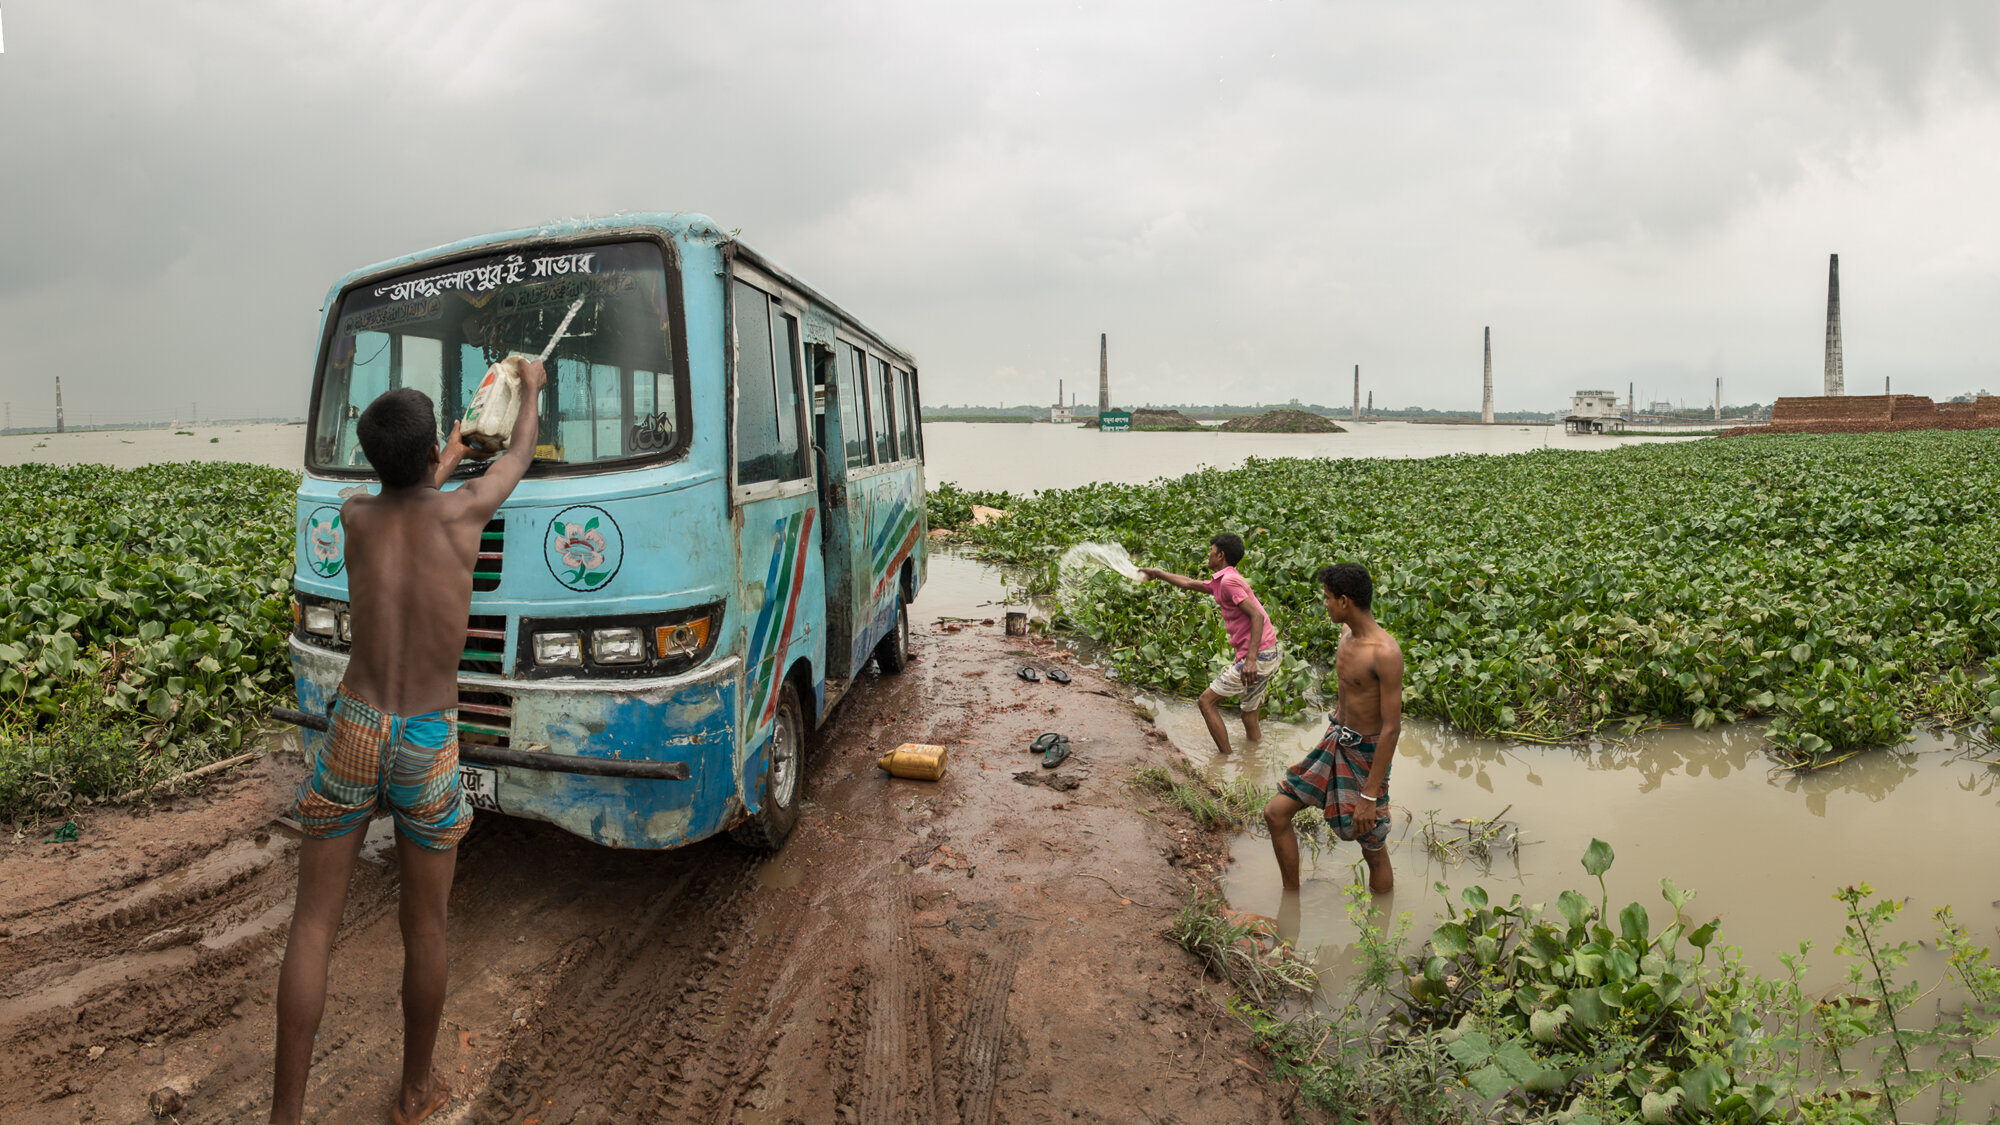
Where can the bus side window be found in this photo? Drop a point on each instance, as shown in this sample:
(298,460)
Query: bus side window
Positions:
(906,425)
(853,408)
(767,448)
(784,355)
(878,413)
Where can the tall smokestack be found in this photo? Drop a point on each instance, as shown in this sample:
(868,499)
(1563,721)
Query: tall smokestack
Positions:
(1357,392)
(1103,372)
(1836,382)
(1371,404)
(59,416)
(1718,398)
(1486,406)
(1631,401)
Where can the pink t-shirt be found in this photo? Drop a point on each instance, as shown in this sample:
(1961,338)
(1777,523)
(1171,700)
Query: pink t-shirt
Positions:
(1234,597)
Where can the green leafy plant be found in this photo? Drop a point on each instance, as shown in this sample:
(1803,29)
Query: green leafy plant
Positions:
(143,617)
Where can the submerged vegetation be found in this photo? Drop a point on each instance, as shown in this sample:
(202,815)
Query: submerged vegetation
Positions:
(143,616)
(1516,1013)
(1842,586)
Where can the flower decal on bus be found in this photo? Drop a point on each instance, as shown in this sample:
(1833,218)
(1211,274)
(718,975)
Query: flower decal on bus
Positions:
(325,540)
(584,547)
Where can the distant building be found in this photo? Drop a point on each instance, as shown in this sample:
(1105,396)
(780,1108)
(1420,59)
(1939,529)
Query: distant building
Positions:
(1660,408)
(1061,413)
(1593,412)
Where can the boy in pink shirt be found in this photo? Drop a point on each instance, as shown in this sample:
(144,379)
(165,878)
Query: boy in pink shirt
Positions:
(1250,635)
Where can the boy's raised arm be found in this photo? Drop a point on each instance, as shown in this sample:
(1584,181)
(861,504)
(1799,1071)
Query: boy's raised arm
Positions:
(1172,579)
(488,491)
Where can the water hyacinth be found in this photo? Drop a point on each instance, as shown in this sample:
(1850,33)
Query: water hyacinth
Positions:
(1844,586)
(143,616)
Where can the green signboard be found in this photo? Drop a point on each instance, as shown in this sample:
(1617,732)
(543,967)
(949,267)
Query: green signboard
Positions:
(1109,420)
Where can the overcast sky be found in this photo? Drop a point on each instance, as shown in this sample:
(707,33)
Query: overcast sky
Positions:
(1250,198)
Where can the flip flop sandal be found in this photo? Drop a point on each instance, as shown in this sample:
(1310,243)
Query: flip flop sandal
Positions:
(1041,745)
(1056,754)
(1058,676)
(1029,674)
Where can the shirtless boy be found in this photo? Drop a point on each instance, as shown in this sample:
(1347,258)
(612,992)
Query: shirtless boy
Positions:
(1247,677)
(1346,776)
(394,745)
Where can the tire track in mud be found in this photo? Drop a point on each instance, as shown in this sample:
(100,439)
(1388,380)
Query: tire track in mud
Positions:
(985,1026)
(652,1017)
(157,960)
(896,1076)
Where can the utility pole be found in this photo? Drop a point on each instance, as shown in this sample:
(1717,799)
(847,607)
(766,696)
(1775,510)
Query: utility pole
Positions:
(1357,392)
(1486,407)
(59,413)
(1103,372)
(1836,383)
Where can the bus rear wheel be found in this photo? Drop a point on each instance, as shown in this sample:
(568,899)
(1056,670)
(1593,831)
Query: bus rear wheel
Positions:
(892,652)
(784,771)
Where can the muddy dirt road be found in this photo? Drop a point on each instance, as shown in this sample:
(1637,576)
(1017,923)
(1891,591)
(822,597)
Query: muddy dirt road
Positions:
(983,949)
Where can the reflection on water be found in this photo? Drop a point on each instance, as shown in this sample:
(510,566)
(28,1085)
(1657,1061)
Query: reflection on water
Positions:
(956,586)
(1763,848)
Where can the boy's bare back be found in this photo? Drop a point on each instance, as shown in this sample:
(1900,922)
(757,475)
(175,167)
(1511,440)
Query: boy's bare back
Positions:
(410,556)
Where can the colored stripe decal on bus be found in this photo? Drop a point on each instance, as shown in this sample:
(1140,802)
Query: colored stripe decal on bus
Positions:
(895,530)
(893,571)
(773,630)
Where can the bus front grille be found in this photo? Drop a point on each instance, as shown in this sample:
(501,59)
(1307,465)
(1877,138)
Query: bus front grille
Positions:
(485,645)
(486,572)
(485,718)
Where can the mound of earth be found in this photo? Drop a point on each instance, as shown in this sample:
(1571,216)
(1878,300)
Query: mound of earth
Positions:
(1163,420)
(1283,422)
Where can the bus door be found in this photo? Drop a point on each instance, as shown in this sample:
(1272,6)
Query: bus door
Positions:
(830,462)
(777,511)
(863,452)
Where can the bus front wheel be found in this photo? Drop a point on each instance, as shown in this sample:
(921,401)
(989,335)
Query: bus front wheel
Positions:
(784,770)
(892,652)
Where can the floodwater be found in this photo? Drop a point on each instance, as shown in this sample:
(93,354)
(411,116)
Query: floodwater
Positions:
(265,443)
(1018,457)
(1763,848)
(1029,457)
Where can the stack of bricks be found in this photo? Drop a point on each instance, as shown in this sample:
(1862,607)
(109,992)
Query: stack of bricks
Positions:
(1864,414)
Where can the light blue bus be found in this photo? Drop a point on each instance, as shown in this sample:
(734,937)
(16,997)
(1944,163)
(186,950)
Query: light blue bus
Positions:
(724,522)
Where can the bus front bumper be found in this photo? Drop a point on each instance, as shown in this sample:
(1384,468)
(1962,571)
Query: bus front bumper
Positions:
(646,763)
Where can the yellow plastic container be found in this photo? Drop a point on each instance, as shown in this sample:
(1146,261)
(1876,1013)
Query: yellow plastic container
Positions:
(914,760)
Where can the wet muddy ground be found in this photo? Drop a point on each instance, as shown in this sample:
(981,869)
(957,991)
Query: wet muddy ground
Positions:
(983,949)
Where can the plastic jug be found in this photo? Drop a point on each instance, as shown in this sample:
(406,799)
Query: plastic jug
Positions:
(489,418)
(914,760)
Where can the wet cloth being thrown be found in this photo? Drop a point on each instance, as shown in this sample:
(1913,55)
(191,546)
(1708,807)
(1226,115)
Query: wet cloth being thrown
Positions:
(1330,780)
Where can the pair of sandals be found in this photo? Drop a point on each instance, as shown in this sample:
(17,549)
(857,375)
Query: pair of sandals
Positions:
(1056,675)
(1053,748)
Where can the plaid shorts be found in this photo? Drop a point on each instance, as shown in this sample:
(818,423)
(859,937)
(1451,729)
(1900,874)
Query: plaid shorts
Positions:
(1330,780)
(1229,681)
(373,759)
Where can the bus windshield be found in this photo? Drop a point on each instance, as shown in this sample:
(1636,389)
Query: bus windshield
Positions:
(613,392)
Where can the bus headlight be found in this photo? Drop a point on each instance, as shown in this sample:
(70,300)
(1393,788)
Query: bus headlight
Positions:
(684,639)
(624,645)
(559,648)
(322,620)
